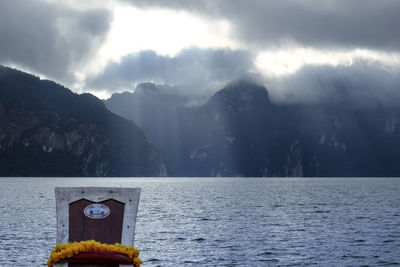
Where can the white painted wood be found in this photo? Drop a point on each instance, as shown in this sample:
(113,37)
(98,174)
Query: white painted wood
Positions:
(66,195)
(65,264)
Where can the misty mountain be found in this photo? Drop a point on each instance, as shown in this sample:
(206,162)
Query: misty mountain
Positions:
(240,132)
(164,116)
(47,130)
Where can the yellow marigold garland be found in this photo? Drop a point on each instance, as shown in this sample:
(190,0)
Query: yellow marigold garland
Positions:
(63,251)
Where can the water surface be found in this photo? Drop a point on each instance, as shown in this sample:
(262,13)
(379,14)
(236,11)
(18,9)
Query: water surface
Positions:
(224,221)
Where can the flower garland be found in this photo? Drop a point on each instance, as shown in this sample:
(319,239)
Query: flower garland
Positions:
(63,251)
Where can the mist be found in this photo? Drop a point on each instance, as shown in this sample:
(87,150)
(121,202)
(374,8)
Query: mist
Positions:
(362,84)
(193,72)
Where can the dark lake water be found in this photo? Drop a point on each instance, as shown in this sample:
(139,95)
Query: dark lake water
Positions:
(225,222)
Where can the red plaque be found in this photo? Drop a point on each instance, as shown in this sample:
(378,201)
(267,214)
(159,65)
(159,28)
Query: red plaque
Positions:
(103,257)
(104,226)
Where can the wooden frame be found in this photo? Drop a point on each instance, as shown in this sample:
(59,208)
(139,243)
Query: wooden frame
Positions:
(66,195)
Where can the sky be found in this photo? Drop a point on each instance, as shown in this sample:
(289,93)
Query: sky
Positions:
(299,49)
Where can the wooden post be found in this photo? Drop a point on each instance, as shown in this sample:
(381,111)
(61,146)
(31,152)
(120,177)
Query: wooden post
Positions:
(104,214)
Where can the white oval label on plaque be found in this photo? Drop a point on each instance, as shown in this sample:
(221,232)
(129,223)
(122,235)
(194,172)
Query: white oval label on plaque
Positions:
(96,211)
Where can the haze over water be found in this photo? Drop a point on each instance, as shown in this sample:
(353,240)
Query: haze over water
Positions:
(225,221)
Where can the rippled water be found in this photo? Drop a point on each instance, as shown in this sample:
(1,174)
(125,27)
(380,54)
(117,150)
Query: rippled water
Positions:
(225,222)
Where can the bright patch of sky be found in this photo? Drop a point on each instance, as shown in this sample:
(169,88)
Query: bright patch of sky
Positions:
(166,32)
(283,62)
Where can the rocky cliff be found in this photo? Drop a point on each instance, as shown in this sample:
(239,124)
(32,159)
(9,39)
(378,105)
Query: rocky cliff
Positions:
(47,130)
(240,132)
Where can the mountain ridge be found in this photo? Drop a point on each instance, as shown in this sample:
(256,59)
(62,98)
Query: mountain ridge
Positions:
(240,132)
(47,130)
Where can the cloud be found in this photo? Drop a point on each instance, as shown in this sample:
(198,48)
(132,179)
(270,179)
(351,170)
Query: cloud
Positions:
(194,67)
(331,23)
(362,84)
(289,61)
(50,39)
(312,50)
(318,46)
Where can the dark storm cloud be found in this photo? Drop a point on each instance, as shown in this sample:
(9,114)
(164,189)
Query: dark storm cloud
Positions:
(194,67)
(364,84)
(329,23)
(49,38)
